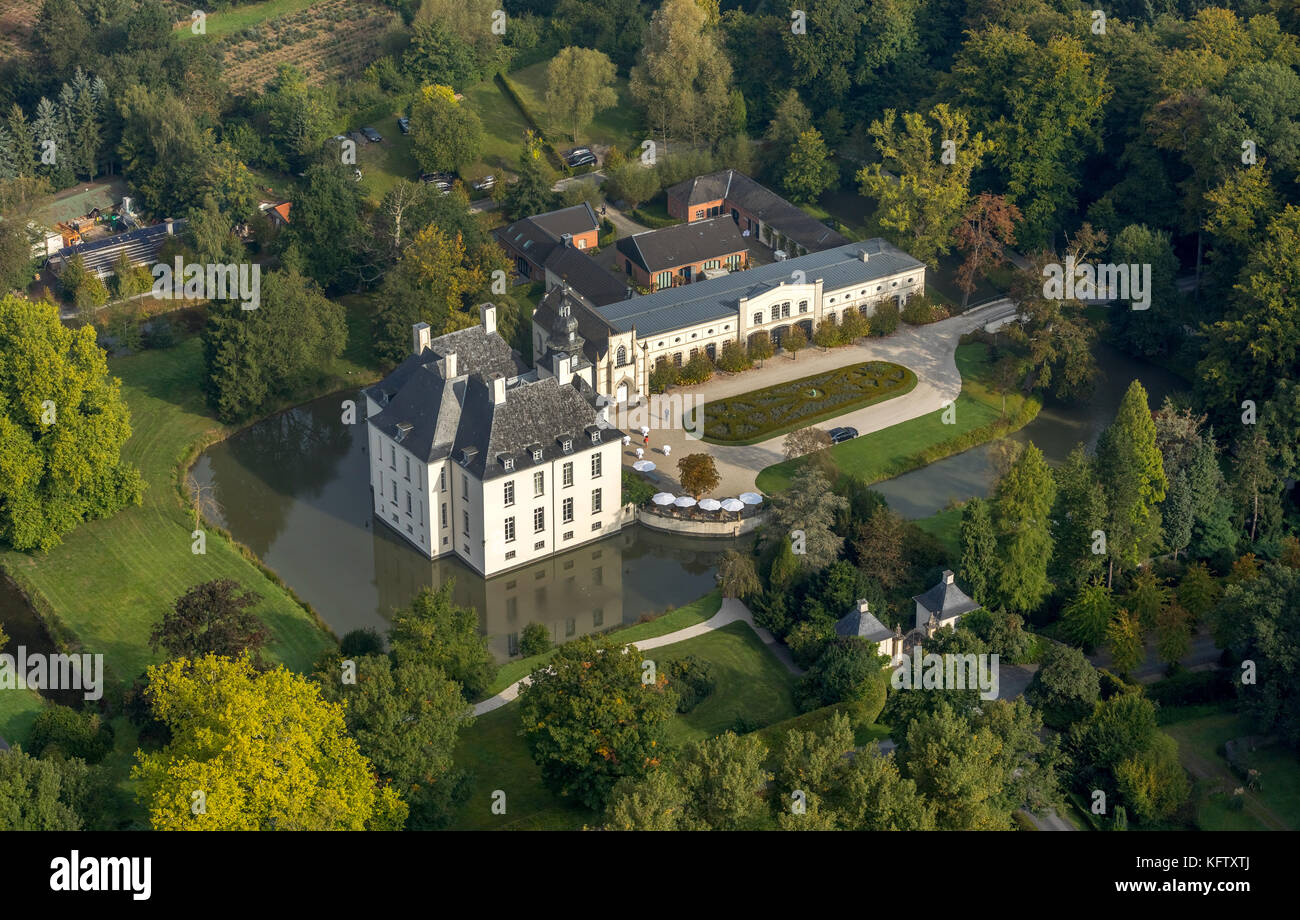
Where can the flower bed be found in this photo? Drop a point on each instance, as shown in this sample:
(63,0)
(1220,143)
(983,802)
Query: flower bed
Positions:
(794,404)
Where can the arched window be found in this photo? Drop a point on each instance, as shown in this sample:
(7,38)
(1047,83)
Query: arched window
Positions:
(621,357)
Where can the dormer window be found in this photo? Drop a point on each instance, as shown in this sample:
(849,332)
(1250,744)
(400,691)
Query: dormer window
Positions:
(537,455)
(510,463)
(595,437)
(567,444)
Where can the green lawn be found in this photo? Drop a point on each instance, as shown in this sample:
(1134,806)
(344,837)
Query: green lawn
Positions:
(695,612)
(946,527)
(109,582)
(751,683)
(914,443)
(18,710)
(1279,786)
(617,126)
(503,128)
(772,411)
(220,25)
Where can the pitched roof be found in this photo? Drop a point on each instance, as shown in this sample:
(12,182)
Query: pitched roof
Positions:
(476,353)
(436,416)
(719,298)
(593,327)
(945,600)
(657,250)
(539,236)
(863,624)
(140,246)
(739,189)
(597,284)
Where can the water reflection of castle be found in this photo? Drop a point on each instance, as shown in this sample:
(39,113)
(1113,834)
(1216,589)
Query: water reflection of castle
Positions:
(571,593)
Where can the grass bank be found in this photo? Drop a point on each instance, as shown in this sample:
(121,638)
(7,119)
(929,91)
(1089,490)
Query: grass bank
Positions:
(912,444)
(103,589)
(689,615)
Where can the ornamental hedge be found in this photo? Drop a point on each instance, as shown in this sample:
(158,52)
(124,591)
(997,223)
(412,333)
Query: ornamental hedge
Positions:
(776,409)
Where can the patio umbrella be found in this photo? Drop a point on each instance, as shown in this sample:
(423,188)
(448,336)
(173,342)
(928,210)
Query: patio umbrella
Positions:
(751,498)
(684,501)
(640,452)
(710,504)
(731,504)
(643,466)
(664,498)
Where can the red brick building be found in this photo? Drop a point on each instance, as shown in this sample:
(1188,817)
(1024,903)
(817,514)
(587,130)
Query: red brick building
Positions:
(658,259)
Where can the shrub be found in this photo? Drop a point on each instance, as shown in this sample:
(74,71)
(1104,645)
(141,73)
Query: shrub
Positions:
(1192,687)
(663,376)
(885,320)
(920,310)
(361,642)
(159,333)
(697,370)
(733,358)
(70,733)
(534,640)
(693,679)
(807,641)
(636,491)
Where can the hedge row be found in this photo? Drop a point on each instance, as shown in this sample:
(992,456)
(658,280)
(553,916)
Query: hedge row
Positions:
(513,95)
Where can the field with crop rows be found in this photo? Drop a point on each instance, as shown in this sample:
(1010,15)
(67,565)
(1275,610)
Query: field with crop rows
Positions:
(329,40)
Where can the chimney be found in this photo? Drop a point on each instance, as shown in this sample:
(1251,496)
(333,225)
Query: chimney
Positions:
(865,255)
(498,390)
(947,576)
(567,239)
(488,316)
(170,228)
(420,338)
(449,366)
(863,606)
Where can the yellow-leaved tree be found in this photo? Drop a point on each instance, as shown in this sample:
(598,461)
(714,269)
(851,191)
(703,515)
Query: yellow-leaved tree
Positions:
(255,751)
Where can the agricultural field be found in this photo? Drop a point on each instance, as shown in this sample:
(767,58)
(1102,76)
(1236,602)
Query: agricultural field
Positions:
(17,19)
(327,40)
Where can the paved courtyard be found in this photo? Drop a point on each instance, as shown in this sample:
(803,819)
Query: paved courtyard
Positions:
(929,351)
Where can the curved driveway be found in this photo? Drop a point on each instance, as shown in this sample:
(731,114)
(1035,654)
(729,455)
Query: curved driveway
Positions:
(929,351)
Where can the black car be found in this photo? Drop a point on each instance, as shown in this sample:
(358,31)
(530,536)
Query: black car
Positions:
(839,435)
(372,135)
(582,157)
(404,124)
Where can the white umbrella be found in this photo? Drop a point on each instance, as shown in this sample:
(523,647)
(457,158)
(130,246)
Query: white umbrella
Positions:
(627,439)
(731,504)
(710,504)
(645,430)
(684,501)
(643,466)
(664,498)
(751,498)
(640,452)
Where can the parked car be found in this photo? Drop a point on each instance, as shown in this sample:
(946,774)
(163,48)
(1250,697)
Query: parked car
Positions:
(487,182)
(441,179)
(404,124)
(582,156)
(839,435)
(372,135)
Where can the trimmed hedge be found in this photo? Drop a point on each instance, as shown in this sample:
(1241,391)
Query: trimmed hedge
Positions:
(775,409)
(512,94)
(1192,687)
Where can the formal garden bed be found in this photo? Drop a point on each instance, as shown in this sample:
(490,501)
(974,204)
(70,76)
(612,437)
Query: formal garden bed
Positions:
(775,410)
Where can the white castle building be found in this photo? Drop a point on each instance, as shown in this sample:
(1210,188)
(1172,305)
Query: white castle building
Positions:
(471,455)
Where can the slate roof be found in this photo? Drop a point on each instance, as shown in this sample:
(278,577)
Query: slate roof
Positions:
(597,284)
(945,600)
(658,250)
(476,353)
(864,625)
(435,416)
(592,326)
(537,237)
(738,189)
(719,298)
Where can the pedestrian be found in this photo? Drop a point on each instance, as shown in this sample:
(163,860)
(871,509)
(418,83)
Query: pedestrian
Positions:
(647,440)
